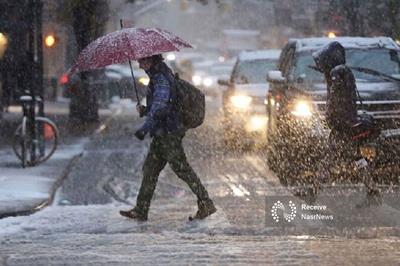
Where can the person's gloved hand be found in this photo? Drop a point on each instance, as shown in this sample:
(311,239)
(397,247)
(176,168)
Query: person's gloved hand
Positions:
(140,134)
(141,109)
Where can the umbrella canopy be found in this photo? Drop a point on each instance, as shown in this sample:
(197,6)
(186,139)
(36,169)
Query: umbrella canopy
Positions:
(127,44)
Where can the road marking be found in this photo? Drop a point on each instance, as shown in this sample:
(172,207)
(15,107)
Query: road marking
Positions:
(257,163)
(238,190)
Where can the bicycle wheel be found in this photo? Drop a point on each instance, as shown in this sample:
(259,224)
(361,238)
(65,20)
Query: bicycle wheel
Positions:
(20,142)
(46,141)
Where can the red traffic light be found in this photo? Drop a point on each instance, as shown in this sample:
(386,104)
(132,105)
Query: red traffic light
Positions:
(64,79)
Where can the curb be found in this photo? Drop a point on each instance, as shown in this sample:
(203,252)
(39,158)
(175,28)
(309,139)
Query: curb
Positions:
(53,191)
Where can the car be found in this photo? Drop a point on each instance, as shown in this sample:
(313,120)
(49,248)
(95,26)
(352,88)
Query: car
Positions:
(184,65)
(244,119)
(297,131)
(201,73)
(112,80)
(207,74)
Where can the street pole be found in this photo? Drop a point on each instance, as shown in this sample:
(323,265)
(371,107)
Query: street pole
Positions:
(38,58)
(35,68)
(30,78)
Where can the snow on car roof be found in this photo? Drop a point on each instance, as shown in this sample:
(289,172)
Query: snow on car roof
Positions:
(259,54)
(238,32)
(347,42)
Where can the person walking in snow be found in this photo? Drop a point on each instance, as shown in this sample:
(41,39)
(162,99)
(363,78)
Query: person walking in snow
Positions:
(163,123)
(341,106)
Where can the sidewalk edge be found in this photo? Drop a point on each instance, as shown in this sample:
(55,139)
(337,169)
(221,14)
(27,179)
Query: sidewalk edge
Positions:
(52,193)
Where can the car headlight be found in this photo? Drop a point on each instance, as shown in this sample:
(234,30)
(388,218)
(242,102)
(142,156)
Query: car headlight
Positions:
(144,80)
(241,101)
(196,80)
(171,57)
(207,82)
(302,109)
(272,101)
(258,123)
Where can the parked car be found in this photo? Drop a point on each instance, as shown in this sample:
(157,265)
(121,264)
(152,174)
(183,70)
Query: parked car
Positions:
(184,65)
(243,101)
(112,80)
(201,73)
(206,77)
(296,100)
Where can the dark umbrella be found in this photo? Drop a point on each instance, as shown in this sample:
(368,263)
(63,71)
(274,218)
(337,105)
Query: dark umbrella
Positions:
(127,44)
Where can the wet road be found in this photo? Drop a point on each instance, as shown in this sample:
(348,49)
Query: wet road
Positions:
(107,179)
(240,181)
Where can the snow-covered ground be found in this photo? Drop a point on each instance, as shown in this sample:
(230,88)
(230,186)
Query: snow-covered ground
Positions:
(97,235)
(83,226)
(24,189)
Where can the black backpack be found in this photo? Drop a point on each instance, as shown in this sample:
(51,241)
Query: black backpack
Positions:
(190,103)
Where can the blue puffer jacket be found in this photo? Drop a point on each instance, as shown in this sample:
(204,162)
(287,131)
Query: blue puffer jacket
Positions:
(161,115)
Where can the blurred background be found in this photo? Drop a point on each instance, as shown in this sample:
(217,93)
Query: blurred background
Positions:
(40,39)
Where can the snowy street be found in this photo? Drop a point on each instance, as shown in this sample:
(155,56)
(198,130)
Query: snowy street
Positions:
(84,227)
(200,132)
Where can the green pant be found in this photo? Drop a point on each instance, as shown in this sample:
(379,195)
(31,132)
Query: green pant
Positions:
(166,149)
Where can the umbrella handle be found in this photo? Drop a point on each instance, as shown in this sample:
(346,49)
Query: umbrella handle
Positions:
(133,77)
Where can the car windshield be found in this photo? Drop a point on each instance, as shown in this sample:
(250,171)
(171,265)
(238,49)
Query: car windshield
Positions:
(381,60)
(221,70)
(253,71)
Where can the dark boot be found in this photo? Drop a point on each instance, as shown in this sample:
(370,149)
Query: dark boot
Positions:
(206,208)
(134,214)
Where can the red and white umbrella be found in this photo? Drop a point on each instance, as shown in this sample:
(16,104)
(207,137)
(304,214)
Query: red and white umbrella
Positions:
(127,44)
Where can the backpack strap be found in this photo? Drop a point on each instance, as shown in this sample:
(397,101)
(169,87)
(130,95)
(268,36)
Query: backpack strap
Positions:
(173,95)
(172,79)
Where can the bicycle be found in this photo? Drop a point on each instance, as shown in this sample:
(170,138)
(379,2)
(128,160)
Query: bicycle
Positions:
(36,138)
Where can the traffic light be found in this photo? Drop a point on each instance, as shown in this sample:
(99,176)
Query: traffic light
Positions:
(50,40)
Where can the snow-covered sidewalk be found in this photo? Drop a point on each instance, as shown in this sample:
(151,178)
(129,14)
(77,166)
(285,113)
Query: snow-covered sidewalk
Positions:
(98,235)
(26,190)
